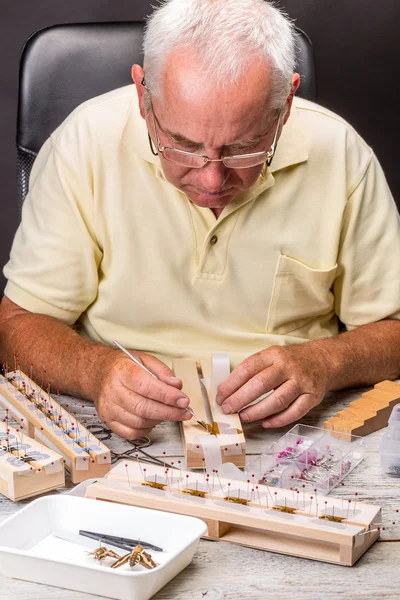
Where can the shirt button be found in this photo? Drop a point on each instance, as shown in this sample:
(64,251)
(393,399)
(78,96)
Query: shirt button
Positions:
(214,240)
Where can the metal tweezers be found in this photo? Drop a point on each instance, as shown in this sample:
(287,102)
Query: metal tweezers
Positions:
(119,542)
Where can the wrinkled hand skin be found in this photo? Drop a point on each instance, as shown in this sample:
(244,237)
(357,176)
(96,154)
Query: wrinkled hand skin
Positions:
(130,401)
(299,376)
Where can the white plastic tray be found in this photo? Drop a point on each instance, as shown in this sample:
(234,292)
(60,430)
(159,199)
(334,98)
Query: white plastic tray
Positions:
(34,546)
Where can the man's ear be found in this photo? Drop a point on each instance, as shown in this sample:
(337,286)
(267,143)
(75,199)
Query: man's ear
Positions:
(137,76)
(289,101)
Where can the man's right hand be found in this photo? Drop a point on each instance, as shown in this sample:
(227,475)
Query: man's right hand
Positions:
(131,402)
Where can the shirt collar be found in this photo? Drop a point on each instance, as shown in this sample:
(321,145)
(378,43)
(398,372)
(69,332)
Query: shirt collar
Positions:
(292,146)
(135,135)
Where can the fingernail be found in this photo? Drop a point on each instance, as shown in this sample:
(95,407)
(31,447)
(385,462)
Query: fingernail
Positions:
(182,402)
(244,417)
(266,424)
(174,380)
(218,399)
(227,409)
(187,416)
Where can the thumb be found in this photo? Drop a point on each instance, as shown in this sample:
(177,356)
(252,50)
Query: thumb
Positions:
(161,370)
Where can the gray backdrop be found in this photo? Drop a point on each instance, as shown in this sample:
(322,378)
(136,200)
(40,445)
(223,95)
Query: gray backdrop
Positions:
(357,59)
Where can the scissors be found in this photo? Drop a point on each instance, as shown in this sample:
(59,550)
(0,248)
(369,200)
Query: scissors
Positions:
(104,433)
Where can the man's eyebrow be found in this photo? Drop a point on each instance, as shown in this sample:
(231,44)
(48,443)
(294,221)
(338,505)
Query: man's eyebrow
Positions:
(181,139)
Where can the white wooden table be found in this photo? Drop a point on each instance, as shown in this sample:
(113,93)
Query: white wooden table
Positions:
(224,571)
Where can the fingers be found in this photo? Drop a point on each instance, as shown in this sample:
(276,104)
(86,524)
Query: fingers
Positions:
(261,383)
(278,401)
(136,400)
(149,409)
(241,374)
(125,424)
(135,379)
(294,412)
(127,432)
(114,412)
(160,370)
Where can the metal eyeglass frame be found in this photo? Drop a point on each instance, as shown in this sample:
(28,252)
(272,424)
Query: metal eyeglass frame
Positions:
(266,155)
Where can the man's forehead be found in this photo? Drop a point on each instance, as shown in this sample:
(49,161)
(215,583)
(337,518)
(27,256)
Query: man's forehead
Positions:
(186,77)
(192,103)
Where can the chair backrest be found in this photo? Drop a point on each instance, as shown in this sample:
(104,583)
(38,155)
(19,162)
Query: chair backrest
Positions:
(64,65)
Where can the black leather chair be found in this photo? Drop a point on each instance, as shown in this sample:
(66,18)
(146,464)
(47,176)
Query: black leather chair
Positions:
(64,65)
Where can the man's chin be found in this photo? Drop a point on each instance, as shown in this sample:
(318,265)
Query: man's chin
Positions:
(205,200)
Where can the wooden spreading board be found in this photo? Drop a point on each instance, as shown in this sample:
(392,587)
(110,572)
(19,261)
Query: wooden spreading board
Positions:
(256,525)
(20,479)
(368,413)
(84,455)
(232,444)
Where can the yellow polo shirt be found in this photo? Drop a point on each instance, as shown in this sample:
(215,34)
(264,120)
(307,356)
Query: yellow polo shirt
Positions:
(106,240)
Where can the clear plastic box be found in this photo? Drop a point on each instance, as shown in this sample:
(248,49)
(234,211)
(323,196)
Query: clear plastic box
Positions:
(308,458)
(390,445)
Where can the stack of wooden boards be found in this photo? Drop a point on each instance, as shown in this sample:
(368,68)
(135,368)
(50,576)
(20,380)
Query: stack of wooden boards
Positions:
(368,413)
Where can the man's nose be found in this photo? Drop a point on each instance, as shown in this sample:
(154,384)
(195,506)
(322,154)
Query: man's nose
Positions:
(214,176)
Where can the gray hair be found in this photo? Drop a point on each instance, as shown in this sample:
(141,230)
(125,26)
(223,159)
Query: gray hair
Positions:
(227,34)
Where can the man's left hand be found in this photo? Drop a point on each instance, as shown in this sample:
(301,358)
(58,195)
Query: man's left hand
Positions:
(299,376)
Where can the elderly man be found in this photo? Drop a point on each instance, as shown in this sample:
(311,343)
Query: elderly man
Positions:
(205,209)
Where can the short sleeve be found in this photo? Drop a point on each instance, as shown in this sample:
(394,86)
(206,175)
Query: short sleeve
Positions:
(54,261)
(367,286)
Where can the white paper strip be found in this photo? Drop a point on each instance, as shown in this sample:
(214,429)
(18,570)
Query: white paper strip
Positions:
(54,467)
(211,451)
(82,463)
(220,370)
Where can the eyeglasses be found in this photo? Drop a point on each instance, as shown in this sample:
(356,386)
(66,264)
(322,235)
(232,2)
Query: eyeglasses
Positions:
(197,161)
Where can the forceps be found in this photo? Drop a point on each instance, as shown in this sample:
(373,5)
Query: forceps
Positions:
(137,446)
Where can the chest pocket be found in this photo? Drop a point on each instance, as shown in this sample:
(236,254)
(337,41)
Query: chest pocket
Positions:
(300,294)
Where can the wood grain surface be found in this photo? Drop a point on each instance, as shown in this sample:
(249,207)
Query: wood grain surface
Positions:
(225,571)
